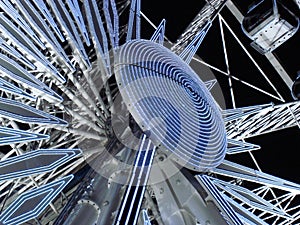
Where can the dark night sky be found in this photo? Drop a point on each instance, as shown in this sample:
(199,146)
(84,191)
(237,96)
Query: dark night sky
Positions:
(278,154)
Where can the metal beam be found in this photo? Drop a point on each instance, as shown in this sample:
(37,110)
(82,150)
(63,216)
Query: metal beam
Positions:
(270,56)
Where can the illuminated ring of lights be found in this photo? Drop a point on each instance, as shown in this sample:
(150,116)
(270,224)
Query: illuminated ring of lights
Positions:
(157,85)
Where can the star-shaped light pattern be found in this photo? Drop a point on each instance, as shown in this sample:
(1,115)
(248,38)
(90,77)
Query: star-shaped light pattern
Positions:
(145,140)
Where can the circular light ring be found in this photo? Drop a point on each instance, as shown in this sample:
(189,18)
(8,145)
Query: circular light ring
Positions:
(168,100)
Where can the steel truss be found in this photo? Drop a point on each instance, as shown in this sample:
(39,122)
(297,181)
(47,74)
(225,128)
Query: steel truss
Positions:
(58,96)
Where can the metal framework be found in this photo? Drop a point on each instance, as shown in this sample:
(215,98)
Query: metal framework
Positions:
(72,143)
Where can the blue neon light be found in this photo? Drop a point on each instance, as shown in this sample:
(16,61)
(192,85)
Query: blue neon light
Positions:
(35,162)
(159,33)
(193,46)
(6,86)
(20,112)
(17,73)
(75,10)
(12,136)
(157,85)
(133,31)
(112,21)
(35,201)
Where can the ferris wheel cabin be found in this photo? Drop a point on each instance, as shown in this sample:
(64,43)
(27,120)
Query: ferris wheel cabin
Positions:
(269,23)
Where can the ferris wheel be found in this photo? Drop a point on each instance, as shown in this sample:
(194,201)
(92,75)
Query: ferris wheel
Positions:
(101,124)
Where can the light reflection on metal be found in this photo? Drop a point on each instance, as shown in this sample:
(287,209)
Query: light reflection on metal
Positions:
(295,89)
(31,203)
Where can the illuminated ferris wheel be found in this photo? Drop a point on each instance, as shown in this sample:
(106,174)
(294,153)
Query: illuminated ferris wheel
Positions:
(103,125)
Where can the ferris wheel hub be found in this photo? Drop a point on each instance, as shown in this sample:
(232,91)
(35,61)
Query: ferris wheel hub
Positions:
(169,101)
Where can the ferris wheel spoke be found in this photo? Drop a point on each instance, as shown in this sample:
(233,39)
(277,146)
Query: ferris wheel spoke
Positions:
(27,48)
(100,40)
(17,73)
(208,12)
(235,170)
(235,146)
(134,23)
(20,112)
(82,106)
(13,136)
(21,24)
(39,26)
(40,197)
(158,35)
(10,88)
(70,67)
(244,195)
(77,15)
(13,52)
(112,22)
(74,40)
(35,162)
(249,125)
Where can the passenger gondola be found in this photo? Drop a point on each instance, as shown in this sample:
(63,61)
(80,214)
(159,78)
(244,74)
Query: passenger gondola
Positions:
(269,23)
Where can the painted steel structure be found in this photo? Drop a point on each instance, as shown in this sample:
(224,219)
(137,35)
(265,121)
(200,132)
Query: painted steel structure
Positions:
(156,83)
(66,104)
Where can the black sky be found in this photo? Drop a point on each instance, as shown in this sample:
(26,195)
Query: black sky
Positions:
(279,150)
